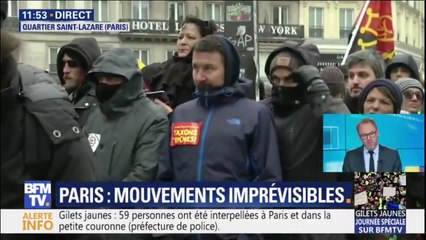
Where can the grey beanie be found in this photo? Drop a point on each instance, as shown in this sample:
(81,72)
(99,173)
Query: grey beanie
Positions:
(406,83)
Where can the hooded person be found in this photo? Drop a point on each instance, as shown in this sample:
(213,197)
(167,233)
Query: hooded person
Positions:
(74,60)
(381,96)
(299,99)
(40,137)
(413,95)
(221,135)
(227,142)
(127,131)
(174,76)
(402,65)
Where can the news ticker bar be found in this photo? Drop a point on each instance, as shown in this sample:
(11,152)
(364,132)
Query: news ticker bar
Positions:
(195,221)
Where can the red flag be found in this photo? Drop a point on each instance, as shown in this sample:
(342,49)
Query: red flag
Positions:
(375,29)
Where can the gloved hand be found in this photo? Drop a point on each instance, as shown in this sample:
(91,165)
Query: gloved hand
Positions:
(309,78)
(305,75)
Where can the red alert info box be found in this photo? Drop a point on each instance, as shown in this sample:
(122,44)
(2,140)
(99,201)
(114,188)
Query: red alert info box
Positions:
(196,208)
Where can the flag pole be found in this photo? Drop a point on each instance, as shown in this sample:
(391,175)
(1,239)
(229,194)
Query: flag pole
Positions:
(354,32)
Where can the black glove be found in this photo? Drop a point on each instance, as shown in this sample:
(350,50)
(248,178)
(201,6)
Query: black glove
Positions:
(305,75)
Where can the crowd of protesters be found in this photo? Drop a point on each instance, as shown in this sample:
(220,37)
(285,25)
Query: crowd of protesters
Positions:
(373,185)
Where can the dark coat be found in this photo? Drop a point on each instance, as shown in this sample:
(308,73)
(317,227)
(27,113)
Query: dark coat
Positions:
(233,144)
(174,77)
(131,127)
(62,151)
(389,160)
(40,140)
(299,129)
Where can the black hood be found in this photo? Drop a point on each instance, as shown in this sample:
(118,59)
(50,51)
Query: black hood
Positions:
(307,51)
(404,60)
(234,86)
(86,48)
(121,62)
(232,61)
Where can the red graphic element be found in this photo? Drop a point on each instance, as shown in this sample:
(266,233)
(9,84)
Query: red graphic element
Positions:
(376,29)
(185,133)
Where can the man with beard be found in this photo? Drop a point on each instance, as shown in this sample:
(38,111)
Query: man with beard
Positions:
(299,99)
(40,137)
(74,60)
(363,67)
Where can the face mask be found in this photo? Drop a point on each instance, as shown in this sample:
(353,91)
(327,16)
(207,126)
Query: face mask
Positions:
(285,97)
(104,92)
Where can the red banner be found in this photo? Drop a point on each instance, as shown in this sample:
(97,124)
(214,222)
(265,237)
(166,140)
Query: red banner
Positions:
(376,29)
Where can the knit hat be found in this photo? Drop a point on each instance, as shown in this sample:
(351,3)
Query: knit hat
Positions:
(332,75)
(406,83)
(286,59)
(390,85)
(3,12)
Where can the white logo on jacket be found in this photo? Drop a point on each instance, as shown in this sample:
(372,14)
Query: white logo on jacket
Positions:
(94,140)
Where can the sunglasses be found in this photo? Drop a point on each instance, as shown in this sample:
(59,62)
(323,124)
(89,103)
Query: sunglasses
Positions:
(71,63)
(410,94)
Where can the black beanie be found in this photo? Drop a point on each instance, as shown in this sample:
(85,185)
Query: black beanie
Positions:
(390,85)
(3,13)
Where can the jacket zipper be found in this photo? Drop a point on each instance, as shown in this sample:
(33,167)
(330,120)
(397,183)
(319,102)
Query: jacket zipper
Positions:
(112,157)
(203,141)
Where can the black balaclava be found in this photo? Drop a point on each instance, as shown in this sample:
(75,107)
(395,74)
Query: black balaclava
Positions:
(287,97)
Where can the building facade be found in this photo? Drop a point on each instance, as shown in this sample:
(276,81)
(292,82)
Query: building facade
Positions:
(155,24)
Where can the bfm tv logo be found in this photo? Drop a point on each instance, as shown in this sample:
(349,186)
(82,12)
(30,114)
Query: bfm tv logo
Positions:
(37,194)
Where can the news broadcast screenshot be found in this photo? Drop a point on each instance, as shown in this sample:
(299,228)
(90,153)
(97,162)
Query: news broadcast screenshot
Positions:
(205,120)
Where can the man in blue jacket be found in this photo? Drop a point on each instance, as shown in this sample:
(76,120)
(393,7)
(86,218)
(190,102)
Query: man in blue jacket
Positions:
(221,135)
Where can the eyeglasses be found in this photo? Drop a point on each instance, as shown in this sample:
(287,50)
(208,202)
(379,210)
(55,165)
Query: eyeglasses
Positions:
(71,63)
(410,94)
(366,135)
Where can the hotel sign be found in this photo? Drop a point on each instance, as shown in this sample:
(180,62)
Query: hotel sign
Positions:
(166,27)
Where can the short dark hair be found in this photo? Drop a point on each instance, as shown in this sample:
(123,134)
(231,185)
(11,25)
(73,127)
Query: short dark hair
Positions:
(210,44)
(205,27)
(371,58)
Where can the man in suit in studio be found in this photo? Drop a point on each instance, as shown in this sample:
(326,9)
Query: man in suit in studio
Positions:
(371,157)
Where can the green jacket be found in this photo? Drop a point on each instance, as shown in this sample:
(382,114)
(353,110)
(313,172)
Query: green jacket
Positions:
(127,132)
